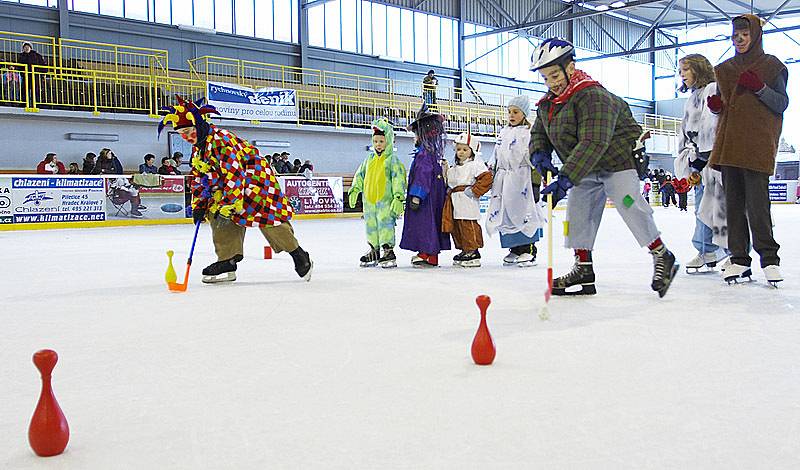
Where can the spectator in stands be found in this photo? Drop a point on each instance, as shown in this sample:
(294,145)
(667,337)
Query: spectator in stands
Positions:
(88,163)
(168,167)
(51,166)
(12,84)
(287,165)
(74,169)
(296,164)
(273,160)
(429,84)
(107,164)
(149,164)
(30,57)
(307,165)
(177,157)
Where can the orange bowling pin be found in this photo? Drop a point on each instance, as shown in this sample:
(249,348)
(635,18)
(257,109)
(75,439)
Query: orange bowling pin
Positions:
(483,350)
(48,433)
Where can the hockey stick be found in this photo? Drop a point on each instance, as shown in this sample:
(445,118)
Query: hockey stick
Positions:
(177,287)
(544,314)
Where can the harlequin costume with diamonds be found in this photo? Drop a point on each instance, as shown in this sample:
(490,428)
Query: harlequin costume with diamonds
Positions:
(233,187)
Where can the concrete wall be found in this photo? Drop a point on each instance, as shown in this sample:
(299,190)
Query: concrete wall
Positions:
(332,150)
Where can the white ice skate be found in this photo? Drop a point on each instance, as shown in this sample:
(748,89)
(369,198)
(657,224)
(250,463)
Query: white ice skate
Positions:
(773,275)
(725,265)
(736,273)
(702,260)
(510,259)
(525,260)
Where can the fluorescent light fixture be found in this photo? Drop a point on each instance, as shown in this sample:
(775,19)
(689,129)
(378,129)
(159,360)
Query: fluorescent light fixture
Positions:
(272,143)
(196,29)
(93,137)
(617,4)
(602,8)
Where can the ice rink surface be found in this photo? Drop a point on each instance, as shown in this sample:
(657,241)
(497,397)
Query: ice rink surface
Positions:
(370,368)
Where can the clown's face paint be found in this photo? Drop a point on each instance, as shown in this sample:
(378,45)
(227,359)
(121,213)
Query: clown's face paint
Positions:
(189,134)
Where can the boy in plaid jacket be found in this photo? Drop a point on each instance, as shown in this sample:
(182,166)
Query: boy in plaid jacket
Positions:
(593,133)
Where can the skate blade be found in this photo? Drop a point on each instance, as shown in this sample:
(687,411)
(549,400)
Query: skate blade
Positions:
(219,278)
(774,283)
(370,264)
(586,289)
(509,263)
(663,290)
(740,278)
(425,265)
(388,264)
(307,276)
(526,264)
(476,263)
(700,270)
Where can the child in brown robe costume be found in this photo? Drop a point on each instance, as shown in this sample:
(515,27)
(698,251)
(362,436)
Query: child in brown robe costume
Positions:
(751,103)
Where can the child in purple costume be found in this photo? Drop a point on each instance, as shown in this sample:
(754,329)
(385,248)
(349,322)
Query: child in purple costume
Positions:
(422,228)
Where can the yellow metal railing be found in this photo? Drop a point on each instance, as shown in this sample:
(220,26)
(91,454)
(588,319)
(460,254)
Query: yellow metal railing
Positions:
(88,55)
(106,77)
(11,45)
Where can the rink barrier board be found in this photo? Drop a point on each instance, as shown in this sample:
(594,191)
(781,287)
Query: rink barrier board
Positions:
(139,222)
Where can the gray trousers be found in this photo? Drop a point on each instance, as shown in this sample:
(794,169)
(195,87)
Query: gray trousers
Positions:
(228,237)
(587,200)
(747,201)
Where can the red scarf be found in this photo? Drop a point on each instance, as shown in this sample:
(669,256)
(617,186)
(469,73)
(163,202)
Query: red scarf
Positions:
(577,82)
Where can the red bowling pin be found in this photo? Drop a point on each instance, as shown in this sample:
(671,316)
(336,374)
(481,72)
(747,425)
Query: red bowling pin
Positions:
(48,433)
(483,350)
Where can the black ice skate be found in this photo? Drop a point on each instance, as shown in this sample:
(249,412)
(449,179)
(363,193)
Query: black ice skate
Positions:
(370,258)
(302,263)
(582,275)
(221,271)
(664,269)
(470,259)
(457,258)
(388,260)
(527,256)
(736,273)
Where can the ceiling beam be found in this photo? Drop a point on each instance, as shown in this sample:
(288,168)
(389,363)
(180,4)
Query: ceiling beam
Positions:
(573,16)
(502,11)
(680,45)
(718,9)
(655,24)
(715,20)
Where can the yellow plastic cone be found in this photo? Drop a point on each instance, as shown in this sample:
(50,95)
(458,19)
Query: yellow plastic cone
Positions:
(171,276)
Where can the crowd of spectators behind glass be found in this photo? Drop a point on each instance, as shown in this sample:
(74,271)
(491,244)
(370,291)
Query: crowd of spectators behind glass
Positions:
(108,164)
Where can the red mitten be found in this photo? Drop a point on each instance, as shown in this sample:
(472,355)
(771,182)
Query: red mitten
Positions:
(715,103)
(749,80)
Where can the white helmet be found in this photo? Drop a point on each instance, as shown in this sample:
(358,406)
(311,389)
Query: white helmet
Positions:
(550,52)
(468,139)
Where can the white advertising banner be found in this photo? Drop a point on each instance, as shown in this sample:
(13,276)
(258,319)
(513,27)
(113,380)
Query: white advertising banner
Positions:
(57,199)
(6,216)
(241,102)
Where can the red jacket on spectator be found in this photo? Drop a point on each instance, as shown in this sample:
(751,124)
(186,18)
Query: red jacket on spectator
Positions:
(681,185)
(42,169)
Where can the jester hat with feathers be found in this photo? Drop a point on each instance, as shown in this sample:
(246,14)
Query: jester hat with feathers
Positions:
(187,114)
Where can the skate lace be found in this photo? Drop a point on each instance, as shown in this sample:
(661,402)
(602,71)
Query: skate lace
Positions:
(575,274)
(659,266)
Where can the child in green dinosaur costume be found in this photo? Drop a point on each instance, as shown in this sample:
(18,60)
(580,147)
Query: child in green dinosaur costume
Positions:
(382,179)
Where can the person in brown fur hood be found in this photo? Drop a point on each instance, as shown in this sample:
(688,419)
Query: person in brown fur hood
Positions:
(751,101)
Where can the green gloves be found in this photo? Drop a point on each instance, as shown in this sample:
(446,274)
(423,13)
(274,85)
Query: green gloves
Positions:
(397,206)
(353,198)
